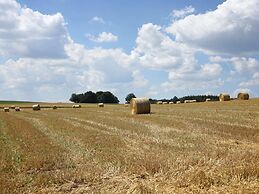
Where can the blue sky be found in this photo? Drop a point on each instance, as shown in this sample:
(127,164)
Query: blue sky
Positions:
(122,17)
(158,49)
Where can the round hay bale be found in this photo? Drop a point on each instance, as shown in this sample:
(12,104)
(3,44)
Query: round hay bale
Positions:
(243,96)
(159,102)
(76,106)
(171,102)
(6,109)
(208,100)
(126,105)
(100,105)
(54,107)
(12,107)
(178,102)
(17,109)
(36,107)
(165,102)
(140,106)
(224,97)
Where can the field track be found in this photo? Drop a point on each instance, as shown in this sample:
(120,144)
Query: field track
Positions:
(180,148)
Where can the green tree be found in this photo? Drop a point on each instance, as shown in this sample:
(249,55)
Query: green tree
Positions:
(106,97)
(99,96)
(174,99)
(129,97)
(89,97)
(74,98)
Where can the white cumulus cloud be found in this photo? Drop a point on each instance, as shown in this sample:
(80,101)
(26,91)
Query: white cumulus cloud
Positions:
(139,80)
(46,64)
(97,19)
(252,82)
(154,49)
(28,33)
(232,28)
(181,13)
(243,64)
(103,37)
(202,78)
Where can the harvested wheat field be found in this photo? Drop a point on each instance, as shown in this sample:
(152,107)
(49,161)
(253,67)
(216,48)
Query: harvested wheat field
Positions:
(188,148)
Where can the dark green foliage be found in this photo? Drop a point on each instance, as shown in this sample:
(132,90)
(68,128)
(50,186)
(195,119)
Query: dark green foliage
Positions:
(174,99)
(74,98)
(106,97)
(91,97)
(152,101)
(198,98)
(129,97)
(88,97)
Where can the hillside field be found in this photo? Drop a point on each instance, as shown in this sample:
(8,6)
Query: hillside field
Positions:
(210,147)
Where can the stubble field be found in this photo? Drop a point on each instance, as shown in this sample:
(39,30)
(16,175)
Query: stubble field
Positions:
(208,147)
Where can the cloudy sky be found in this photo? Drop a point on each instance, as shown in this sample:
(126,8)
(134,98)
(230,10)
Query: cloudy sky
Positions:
(50,49)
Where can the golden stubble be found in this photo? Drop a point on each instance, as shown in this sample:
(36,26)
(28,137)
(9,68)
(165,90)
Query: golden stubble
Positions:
(208,147)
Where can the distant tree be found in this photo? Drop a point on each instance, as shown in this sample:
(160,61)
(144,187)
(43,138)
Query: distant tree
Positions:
(80,97)
(129,97)
(113,98)
(89,97)
(99,96)
(174,99)
(74,98)
(199,98)
(107,97)
(152,101)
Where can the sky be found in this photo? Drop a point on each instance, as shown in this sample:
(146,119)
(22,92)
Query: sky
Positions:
(156,49)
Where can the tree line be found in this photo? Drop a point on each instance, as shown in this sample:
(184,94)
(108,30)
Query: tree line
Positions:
(91,97)
(198,98)
(108,97)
